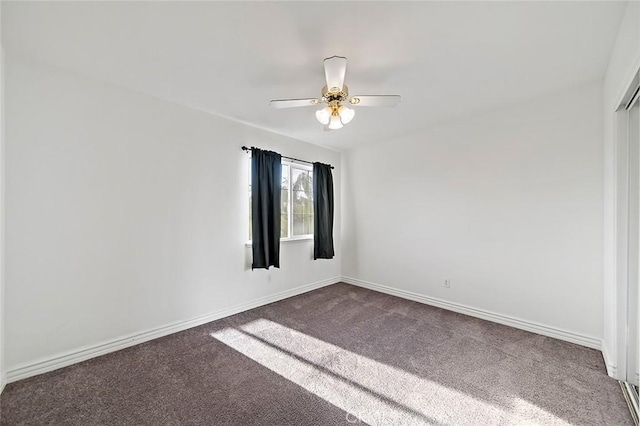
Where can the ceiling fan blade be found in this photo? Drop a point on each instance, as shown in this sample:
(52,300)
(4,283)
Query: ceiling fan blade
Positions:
(335,68)
(293,103)
(375,100)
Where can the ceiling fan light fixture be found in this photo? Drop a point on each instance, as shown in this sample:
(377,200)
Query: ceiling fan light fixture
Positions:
(335,122)
(346,114)
(324,115)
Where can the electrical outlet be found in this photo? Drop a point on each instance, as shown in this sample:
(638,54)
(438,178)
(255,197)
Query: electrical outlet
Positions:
(447,283)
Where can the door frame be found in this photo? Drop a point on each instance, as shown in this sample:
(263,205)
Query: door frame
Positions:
(627,209)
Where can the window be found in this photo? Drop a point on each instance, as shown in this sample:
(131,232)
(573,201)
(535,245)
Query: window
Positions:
(296,205)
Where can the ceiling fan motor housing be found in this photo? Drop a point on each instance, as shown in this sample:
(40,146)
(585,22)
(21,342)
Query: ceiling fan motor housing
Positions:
(335,94)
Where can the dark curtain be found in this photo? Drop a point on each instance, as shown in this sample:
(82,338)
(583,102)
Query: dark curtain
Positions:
(322,211)
(266,178)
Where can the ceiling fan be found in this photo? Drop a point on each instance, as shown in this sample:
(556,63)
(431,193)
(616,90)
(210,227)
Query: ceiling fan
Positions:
(335,95)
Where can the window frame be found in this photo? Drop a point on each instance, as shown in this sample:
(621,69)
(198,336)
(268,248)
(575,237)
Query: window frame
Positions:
(292,164)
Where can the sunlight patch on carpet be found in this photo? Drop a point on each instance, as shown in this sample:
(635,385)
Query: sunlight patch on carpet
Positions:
(367,390)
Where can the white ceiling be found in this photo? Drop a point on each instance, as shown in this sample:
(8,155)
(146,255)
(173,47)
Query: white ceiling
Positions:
(445,59)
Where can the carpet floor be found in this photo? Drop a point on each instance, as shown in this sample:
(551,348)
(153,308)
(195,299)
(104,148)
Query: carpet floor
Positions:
(339,355)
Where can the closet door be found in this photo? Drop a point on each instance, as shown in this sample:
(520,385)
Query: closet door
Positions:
(634,253)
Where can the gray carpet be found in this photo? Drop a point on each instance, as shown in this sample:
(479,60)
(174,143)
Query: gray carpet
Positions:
(336,356)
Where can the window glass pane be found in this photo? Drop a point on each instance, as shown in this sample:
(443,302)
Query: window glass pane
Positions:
(250,215)
(284,208)
(302,201)
(285,176)
(284,203)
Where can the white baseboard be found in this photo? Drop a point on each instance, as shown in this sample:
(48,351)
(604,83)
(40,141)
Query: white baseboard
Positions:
(72,357)
(545,330)
(3,382)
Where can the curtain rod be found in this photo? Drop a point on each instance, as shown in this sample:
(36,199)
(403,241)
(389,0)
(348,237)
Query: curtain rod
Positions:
(244,148)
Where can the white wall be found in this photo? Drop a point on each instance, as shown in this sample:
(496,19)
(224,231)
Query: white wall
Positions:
(623,64)
(126,213)
(507,205)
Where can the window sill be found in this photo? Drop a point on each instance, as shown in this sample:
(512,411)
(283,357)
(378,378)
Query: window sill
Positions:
(286,240)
